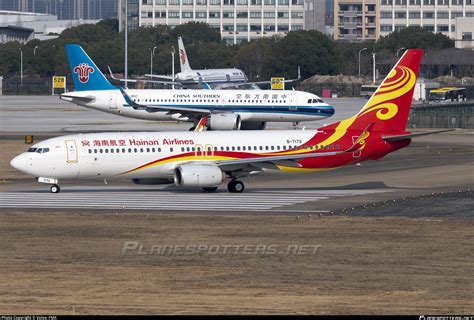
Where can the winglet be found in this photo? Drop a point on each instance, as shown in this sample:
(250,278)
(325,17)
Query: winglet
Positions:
(201,126)
(129,100)
(206,86)
(359,144)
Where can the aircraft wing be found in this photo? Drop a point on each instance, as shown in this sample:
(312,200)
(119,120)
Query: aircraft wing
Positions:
(288,159)
(412,135)
(159,76)
(185,111)
(149,81)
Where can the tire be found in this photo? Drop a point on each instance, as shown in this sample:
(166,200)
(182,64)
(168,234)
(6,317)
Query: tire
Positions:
(209,189)
(54,188)
(235,186)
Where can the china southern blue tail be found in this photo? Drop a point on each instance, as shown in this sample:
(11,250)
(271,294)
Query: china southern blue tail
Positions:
(85,73)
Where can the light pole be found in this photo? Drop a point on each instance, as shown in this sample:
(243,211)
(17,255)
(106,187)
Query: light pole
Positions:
(360,51)
(126,43)
(152,53)
(34,50)
(172,63)
(373,61)
(21,66)
(403,48)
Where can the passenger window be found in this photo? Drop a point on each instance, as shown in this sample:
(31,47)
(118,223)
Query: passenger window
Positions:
(233,148)
(101,151)
(271,147)
(153,150)
(123,150)
(90,150)
(95,150)
(171,149)
(266,147)
(141,150)
(147,149)
(182,149)
(117,150)
(244,148)
(135,150)
(238,148)
(106,150)
(111,150)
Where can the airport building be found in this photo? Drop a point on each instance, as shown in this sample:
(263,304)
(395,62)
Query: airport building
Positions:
(25,26)
(358,20)
(237,20)
(65,9)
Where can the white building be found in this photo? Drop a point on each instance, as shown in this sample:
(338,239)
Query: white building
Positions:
(433,15)
(237,20)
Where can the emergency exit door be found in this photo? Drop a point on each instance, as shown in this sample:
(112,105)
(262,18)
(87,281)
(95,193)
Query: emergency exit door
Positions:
(71,151)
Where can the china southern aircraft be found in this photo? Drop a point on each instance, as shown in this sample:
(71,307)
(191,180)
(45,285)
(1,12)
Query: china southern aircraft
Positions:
(206,159)
(224,109)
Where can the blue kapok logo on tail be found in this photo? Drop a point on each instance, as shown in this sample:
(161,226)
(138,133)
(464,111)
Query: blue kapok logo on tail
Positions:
(86,74)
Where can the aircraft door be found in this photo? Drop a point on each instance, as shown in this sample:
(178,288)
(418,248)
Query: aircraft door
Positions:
(71,151)
(113,100)
(292,103)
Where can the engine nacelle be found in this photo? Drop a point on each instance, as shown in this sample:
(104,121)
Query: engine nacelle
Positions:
(198,175)
(224,121)
(151,181)
(253,125)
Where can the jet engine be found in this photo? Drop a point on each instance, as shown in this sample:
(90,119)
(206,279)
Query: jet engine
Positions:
(198,175)
(224,121)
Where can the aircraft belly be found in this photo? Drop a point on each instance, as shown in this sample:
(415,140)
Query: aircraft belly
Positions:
(278,117)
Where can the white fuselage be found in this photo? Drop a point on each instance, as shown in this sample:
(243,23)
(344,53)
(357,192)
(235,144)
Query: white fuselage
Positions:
(251,105)
(211,76)
(132,155)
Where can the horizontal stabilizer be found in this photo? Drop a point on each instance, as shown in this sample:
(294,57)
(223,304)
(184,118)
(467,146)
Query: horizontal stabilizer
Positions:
(72,97)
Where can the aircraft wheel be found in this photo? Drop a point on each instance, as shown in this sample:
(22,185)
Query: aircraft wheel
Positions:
(235,186)
(209,189)
(55,188)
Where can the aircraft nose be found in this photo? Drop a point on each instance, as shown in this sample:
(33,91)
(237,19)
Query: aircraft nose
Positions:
(330,110)
(19,162)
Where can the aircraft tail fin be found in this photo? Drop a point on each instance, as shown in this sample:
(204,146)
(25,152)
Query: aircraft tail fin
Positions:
(389,106)
(183,57)
(86,74)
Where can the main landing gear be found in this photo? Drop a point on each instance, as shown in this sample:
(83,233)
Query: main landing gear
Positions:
(235,186)
(54,188)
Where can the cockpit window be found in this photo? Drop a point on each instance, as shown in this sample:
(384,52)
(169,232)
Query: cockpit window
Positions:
(38,150)
(310,100)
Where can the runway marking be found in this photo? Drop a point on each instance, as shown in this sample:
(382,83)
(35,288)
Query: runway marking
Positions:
(156,199)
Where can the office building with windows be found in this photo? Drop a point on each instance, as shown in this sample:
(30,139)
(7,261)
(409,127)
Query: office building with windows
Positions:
(237,20)
(356,20)
(433,15)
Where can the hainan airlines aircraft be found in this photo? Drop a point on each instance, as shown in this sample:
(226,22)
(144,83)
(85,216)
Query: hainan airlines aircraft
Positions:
(224,109)
(206,159)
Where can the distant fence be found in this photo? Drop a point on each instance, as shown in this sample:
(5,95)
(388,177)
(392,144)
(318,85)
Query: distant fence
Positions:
(342,90)
(449,115)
